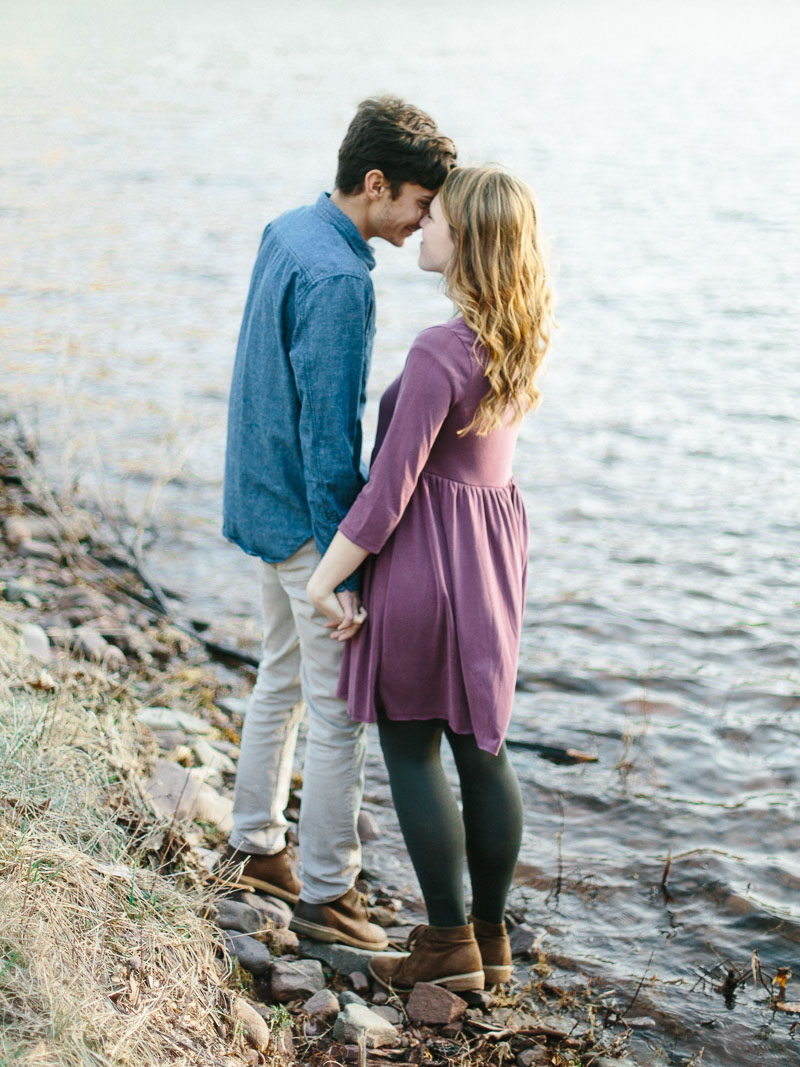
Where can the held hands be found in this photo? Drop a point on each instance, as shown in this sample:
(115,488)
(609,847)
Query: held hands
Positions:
(344,610)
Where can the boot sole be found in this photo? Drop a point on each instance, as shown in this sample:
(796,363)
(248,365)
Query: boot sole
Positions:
(333,936)
(248,882)
(456,983)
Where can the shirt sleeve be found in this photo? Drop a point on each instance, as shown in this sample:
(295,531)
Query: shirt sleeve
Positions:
(330,354)
(427,392)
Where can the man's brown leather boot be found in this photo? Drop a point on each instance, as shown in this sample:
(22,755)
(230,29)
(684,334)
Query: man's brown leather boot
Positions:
(495,950)
(444,955)
(269,874)
(344,920)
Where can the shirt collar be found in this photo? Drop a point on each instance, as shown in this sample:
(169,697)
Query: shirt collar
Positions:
(346,227)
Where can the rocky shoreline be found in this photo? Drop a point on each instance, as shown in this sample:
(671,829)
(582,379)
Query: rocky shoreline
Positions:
(74,592)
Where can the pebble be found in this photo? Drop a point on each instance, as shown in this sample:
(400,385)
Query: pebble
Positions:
(533,1057)
(434,1004)
(16,592)
(171,719)
(324,1004)
(255,1029)
(356,1020)
(341,958)
(390,1014)
(284,941)
(38,550)
(233,915)
(252,955)
(368,828)
(176,793)
(288,981)
(359,981)
(37,642)
(349,996)
(208,756)
(382,916)
(16,529)
(277,911)
(523,938)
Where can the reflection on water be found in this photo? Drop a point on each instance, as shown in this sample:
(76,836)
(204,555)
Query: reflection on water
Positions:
(144,149)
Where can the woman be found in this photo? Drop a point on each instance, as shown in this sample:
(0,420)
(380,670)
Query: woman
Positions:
(444,588)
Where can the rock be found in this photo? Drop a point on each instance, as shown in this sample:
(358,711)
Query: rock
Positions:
(38,550)
(557,1025)
(391,1015)
(432,1004)
(233,915)
(478,998)
(95,647)
(368,829)
(16,529)
(210,757)
(382,916)
(255,1029)
(277,911)
(22,593)
(359,982)
(348,996)
(340,958)
(207,776)
(534,1056)
(607,1061)
(232,705)
(175,793)
(356,1020)
(288,981)
(380,996)
(323,1005)
(170,719)
(206,857)
(284,941)
(252,955)
(523,938)
(36,642)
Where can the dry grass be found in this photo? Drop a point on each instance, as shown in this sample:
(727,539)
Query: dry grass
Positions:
(104,956)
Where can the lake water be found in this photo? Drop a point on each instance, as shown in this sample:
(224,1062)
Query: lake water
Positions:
(145,145)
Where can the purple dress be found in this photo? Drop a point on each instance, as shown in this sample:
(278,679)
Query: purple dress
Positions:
(445,590)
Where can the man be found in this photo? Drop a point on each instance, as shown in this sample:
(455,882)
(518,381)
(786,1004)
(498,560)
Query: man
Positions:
(292,471)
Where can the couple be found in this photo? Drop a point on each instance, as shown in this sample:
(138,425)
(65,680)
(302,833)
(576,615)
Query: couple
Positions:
(399,601)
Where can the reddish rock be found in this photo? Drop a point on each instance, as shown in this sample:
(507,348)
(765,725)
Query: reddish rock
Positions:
(434,1004)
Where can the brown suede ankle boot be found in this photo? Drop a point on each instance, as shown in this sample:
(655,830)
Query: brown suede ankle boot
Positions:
(444,955)
(495,950)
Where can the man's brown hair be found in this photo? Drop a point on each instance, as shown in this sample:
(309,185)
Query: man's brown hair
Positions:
(400,141)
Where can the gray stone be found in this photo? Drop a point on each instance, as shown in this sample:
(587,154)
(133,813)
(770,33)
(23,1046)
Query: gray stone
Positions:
(382,916)
(176,793)
(349,996)
(368,828)
(38,550)
(434,1004)
(557,1025)
(380,996)
(277,911)
(359,982)
(523,938)
(255,1029)
(391,1015)
(36,642)
(16,529)
(233,915)
(288,981)
(284,941)
(252,955)
(22,593)
(323,1005)
(607,1061)
(341,958)
(171,719)
(356,1020)
(208,756)
(232,705)
(536,1056)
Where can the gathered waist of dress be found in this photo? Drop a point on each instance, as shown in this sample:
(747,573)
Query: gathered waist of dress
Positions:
(509,483)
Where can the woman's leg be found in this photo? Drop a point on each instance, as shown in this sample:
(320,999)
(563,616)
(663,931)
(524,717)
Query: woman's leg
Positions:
(428,815)
(492,807)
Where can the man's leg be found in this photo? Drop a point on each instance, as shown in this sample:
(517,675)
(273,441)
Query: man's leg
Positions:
(264,773)
(333,775)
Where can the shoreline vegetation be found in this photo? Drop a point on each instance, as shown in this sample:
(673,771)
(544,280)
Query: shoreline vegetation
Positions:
(122,941)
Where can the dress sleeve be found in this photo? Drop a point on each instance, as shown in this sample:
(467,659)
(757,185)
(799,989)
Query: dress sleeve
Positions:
(427,392)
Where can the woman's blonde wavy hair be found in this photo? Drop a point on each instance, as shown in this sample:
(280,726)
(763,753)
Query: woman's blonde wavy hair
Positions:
(497,278)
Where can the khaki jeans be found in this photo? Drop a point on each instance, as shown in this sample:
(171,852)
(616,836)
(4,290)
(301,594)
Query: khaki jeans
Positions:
(300,666)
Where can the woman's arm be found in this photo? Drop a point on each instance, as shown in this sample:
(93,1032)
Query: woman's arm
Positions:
(341,559)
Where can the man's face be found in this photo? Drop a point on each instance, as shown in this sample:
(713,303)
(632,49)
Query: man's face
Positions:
(394,220)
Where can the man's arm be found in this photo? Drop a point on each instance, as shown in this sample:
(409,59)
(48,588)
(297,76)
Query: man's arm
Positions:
(329,354)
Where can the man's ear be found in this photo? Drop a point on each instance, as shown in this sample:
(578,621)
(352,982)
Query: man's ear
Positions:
(375,184)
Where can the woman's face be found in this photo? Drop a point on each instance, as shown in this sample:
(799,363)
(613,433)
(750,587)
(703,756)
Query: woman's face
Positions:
(437,245)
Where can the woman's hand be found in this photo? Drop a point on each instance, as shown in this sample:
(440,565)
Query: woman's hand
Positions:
(344,610)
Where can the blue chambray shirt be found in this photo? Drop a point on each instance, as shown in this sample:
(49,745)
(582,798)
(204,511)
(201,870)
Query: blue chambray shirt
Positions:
(293,458)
